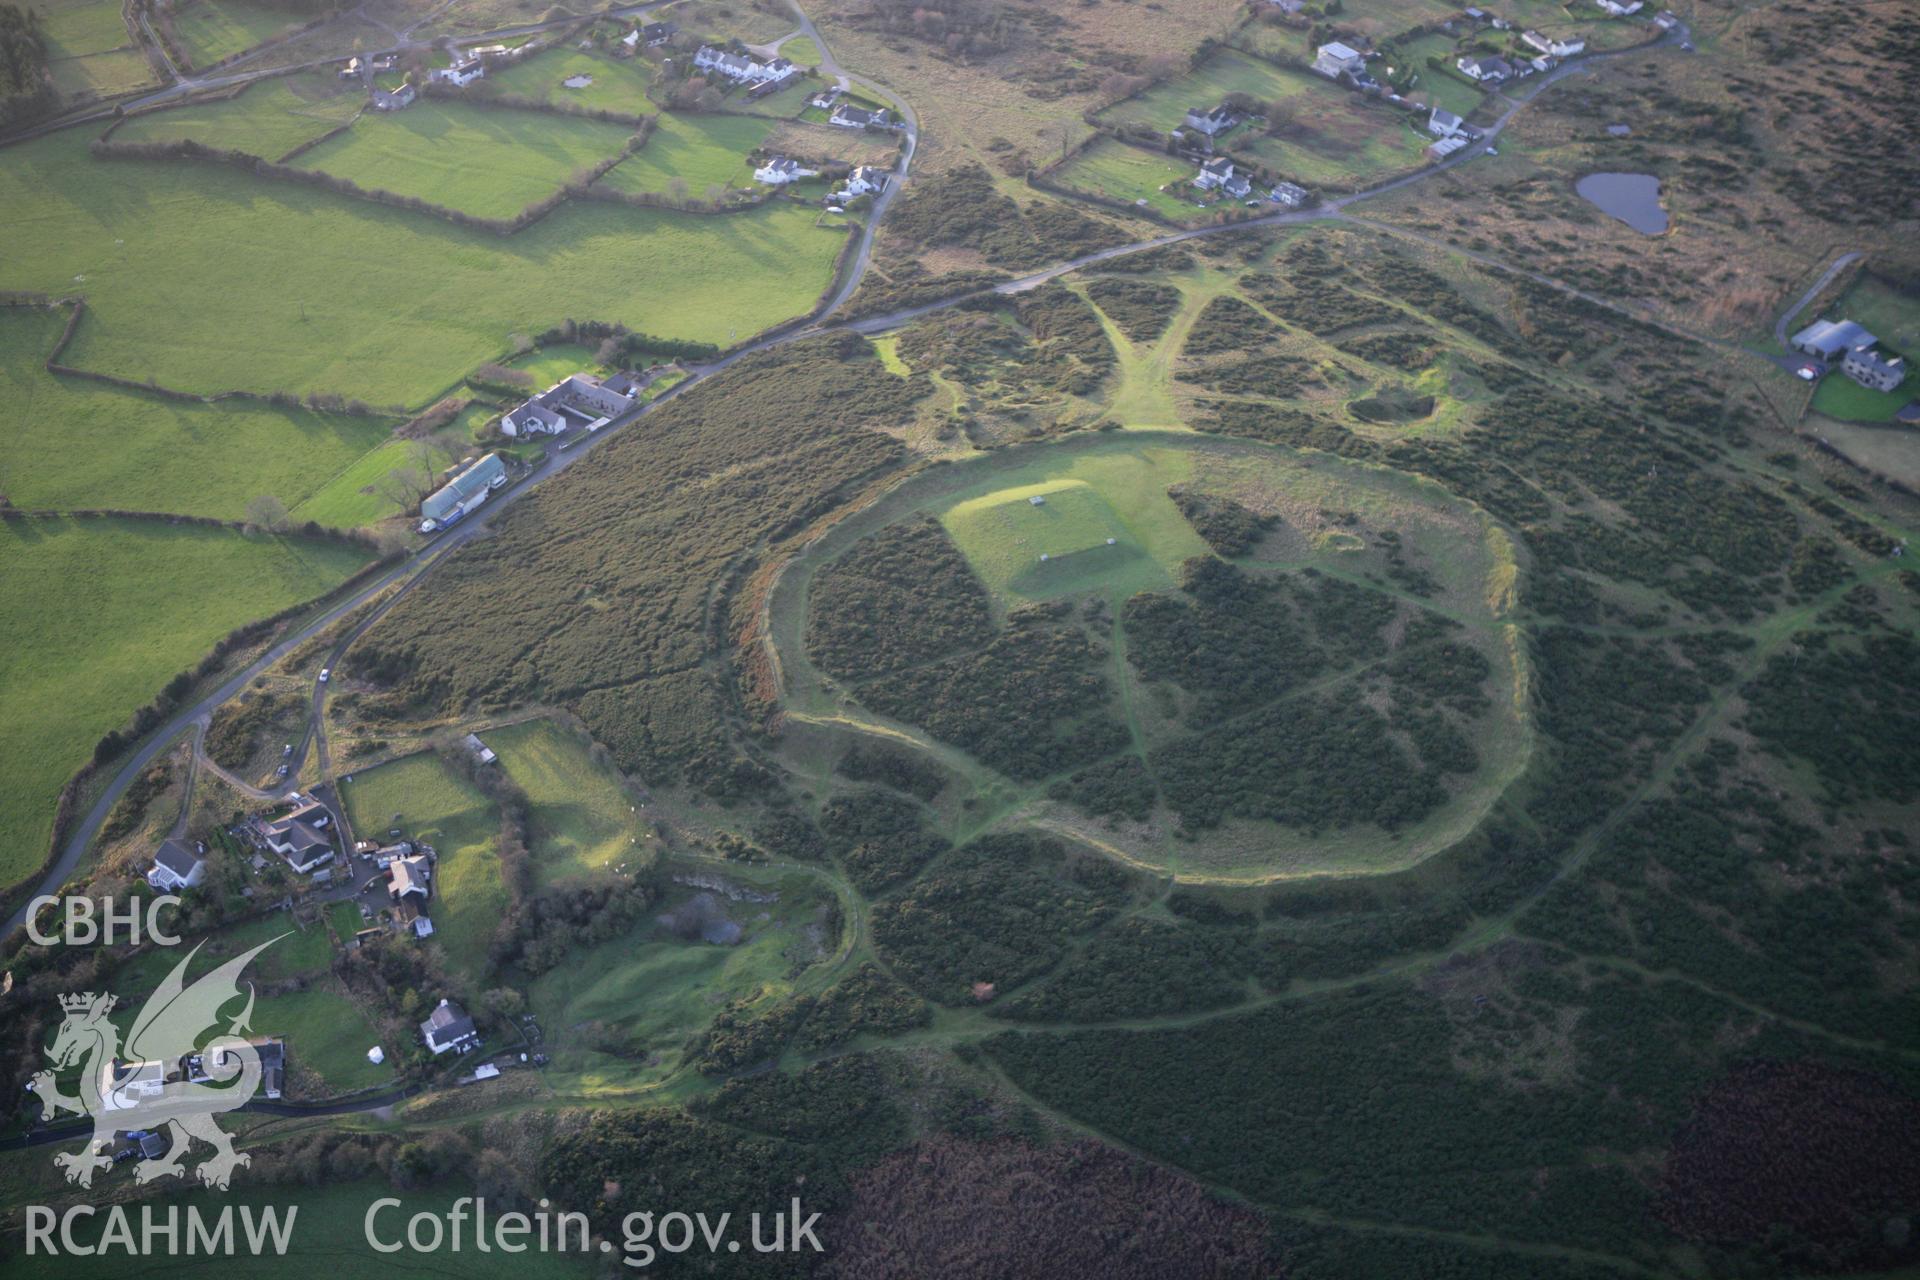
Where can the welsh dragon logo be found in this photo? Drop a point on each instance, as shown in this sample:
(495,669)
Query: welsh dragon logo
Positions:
(164,1078)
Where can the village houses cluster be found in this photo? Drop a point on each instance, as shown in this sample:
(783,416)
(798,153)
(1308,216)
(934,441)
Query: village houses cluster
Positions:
(392,883)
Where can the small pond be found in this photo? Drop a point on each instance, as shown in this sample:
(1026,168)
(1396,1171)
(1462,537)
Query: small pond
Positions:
(577,82)
(1634,198)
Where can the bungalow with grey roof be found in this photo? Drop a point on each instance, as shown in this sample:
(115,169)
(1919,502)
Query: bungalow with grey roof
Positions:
(1486,70)
(175,866)
(848,116)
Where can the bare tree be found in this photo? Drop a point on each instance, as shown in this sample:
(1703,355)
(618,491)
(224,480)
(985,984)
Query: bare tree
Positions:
(267,512)
(402,486)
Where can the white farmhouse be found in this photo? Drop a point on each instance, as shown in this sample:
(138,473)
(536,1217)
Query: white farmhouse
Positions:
(580,399)
(460,74)
(778,171)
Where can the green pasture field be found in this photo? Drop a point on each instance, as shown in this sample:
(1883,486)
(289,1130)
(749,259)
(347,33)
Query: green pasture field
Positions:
(1090,497)
(1839,396)
(324,1031)
(485,161)
(619,1015)
(202,277)
(88,48)
(1342,141)
(342,501)
(74,443)
(1121,172)
(619,84)
(699,150)
(270,119)
(102,75)
(212,30)
(1375,19)
(583,819)
(438,806)
(1164,107)
(328,1235)
(98,615)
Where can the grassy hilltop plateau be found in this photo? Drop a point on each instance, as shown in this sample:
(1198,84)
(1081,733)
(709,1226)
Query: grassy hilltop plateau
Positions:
(1266,638)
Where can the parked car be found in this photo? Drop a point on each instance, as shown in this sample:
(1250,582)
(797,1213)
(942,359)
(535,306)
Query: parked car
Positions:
(281,772)
(326,674)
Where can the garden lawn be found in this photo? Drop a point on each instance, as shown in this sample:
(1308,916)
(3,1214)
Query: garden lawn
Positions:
(69,443)
(700,151)
(97,615)
(490,162)
(350,498)
(617,84)
(1164,107)
(213,30)
(270,119)
(1117,171)
(434,804)
(548,365)
(1839,396)
(324,1031)
(583,819)
(202,276)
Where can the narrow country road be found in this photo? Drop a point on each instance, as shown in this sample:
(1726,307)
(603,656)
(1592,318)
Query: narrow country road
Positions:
(410,571)
(1780,326)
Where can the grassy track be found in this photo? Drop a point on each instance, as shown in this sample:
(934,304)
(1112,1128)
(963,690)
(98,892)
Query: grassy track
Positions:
(583,819)
(204,278)
(269,119)
(435,805)
(488,162)
(98,615)
(72,443)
